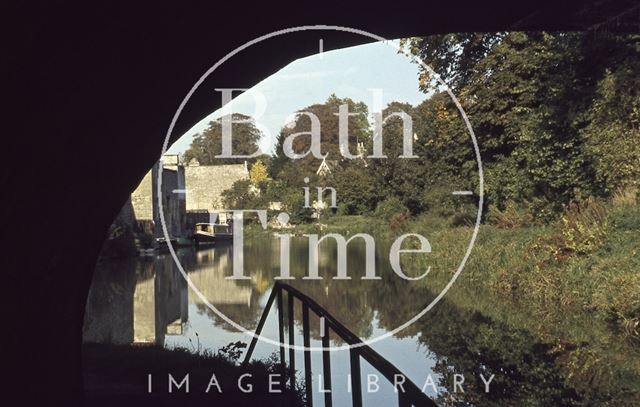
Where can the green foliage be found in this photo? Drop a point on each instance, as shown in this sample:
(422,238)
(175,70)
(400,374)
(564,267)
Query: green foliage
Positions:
(395,176)
(589,259)
(462,219)
(390,207)
(258,173)
(399,221)
(283,167)
(613,128)
(357,191)
(452,56)
(556,114)
(439,201)
(208,144)
(581,231)
(240,196)
(511,217)
(293,202)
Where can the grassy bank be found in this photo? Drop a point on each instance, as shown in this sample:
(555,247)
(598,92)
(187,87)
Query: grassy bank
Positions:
(588,260)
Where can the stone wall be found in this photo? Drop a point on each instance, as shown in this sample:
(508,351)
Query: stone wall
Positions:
(142,198)
(205,184)
(145,203)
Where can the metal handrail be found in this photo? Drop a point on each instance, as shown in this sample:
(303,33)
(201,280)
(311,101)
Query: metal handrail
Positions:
(408,395)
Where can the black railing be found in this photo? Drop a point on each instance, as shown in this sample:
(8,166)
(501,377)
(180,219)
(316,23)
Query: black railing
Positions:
(408,393)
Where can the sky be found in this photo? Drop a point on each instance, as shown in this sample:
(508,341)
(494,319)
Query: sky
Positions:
(349,72)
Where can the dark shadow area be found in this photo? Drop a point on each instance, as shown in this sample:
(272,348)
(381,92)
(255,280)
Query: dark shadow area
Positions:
(91,90)
(119,375)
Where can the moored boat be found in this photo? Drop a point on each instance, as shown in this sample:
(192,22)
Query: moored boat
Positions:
(203,234)
(222,232)
(210,233)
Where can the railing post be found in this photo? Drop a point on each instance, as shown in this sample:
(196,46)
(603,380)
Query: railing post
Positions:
(263,319)
(403,399)
(292,352)
(307,354)
(412,396)
(283,366)
(326,367)
(356,385)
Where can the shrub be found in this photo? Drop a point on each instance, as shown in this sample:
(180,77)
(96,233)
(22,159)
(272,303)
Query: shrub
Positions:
(509,218)
(437,199)
(390,207)
(580,231)
(625,198)
(462,219)
(399,220)
(584,226)
(239,196)
(293,201)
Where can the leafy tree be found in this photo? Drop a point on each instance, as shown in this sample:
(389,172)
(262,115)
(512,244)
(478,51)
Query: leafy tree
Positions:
(208,144)
(613,118)
(258,173)
(536,102)
(358,126)
(293,201)
(241,195)
(453,57)
(357,190)
(555,114)
(389,207)
(404,178)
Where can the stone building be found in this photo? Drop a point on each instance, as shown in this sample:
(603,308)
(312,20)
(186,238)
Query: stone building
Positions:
(205,185)
(144,199)
(190,194)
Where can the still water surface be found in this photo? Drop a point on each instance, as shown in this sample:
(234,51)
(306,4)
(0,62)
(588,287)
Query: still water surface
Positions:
(558,358)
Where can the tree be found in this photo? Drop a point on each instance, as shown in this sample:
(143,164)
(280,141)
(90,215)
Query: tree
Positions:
(258,173)
(613,118)
(357,190)
(239,196)
(454,57)
(208,144)
(532,99)
(293,201)
(358,126)
(404,178)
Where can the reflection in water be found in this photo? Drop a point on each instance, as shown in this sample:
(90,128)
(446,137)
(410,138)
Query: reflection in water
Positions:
(558,360)
(209,277)
(136,301)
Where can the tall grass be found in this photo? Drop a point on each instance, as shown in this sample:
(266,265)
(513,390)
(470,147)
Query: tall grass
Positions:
(589,258)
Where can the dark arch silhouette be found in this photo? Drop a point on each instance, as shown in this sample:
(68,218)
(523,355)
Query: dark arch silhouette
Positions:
(89,94)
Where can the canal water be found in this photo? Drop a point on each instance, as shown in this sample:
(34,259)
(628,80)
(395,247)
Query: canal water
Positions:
(537,357)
